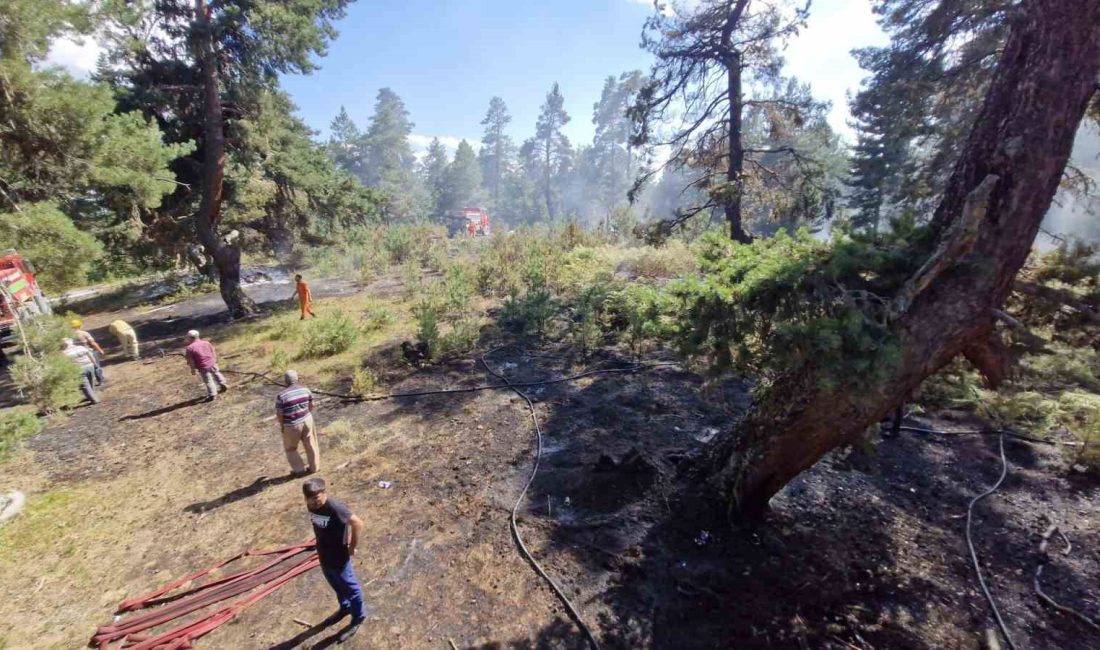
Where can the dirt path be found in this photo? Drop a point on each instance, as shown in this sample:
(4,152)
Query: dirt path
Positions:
(153,484)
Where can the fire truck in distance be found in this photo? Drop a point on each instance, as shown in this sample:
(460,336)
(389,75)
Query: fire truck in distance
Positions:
(467,222)
(20,296)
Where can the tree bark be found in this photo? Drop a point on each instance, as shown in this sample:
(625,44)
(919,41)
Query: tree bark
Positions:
(549,198)
(227,257)
(731,204)
(1020,142)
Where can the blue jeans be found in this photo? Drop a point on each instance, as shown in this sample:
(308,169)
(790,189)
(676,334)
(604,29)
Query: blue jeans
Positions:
(98,370)
(87,375)
(348,592)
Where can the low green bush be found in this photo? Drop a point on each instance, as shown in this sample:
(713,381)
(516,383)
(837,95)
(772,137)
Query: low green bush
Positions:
(427,314)
(330,334)
(362,381)
(16,425)
(280,361)
(49,380)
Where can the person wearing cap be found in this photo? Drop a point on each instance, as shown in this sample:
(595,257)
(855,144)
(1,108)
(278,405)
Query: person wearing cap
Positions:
(203,360)
(127,337)
(83,337)
(85,360)
(337,530)
(294,412)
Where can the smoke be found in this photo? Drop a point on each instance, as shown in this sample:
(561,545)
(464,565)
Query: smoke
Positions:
(1076,211)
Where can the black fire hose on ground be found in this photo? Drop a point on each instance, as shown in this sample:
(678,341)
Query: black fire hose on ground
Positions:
(573,613)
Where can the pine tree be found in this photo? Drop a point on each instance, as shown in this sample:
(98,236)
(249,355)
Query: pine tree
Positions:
(496,148)
(707,53)
(389,162)
(199,67)
(434,175)
(611,149)
(67,153)
(345,144)
(551,145)
(462,184)
(919,100)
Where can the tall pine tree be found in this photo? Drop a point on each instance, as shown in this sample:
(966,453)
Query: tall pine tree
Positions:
(551,147)
(497,149)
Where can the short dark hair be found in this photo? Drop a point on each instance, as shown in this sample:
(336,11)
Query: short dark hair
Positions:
(297,276)
(313,486)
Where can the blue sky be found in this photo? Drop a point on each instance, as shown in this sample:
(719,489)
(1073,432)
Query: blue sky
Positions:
(447,58)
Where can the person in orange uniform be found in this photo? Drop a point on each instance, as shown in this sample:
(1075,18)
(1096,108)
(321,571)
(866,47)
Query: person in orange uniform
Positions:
(471,227)
(305,298)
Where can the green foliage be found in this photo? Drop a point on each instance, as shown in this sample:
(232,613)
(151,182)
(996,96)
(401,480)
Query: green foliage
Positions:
(16,425)
(460,339)
(61,252)
(462,180)
(792,301)
(376,318)
(398,244)
(671,260)
(362,381)
(332,333)
(588,325)
(457,288)
(532,310)
(636,312)
(280,361)
(49,380)
(427,314)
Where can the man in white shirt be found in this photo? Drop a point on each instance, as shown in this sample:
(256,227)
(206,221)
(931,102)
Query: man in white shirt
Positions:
(83,358)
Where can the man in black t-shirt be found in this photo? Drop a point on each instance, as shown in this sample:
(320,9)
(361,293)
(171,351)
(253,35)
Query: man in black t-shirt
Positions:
(337,531)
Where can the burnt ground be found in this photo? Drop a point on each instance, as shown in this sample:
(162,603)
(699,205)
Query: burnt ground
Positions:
(867,554)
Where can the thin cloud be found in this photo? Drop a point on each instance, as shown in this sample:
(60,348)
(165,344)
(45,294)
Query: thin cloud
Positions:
(77,56)
(420,143)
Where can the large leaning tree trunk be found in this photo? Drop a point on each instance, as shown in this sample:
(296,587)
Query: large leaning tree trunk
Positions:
(226,255)
(987,220)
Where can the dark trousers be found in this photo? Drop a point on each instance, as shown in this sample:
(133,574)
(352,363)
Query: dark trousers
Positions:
(348,592)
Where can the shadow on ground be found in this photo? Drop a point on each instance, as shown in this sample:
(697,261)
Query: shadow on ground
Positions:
(252,489)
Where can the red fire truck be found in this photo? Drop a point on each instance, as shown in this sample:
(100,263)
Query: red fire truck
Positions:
(468,222)
(20,295)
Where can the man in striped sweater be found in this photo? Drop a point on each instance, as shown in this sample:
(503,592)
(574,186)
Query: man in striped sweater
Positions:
(294,411)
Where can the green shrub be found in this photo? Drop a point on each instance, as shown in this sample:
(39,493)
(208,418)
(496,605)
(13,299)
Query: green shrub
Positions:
(427,314)
(330,334)
(532,311)
(280,361)
(957,386)
(1065,366)
(16,425)
(635,311)
(49,380)
(457,289)
(376,318)
(1027,409)
(671,260)
(397,241)
(362,381)
(412,279)
(789,302)
(460,339)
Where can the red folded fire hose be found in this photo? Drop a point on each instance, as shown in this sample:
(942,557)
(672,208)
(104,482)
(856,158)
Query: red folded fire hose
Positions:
(167,604)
